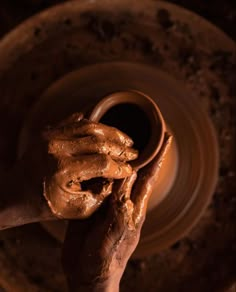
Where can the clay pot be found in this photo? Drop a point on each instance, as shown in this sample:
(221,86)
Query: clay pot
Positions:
(137,115)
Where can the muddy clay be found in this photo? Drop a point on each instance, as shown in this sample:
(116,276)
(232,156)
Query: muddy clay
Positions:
(89,157)
(205,259)
(135,114)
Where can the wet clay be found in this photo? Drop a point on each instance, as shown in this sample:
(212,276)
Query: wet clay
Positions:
(136,114)
(89,156)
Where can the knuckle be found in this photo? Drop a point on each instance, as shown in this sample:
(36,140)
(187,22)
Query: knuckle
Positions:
(90,127)
(102,147)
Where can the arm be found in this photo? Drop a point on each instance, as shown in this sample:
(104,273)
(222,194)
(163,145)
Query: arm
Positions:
(96,250)
(21,201)
(47,182)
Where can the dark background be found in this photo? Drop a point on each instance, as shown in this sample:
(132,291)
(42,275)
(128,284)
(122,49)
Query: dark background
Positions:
(220,12)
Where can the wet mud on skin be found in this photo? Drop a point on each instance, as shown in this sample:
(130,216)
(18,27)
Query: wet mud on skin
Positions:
(205,259)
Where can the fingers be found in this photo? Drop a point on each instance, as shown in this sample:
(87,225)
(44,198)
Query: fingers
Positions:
(123,188)
(73,200)
(147,178)
(88,128)
(86,167)
(91,145)
(121,206)
(92,128)
(151,171)
(106,190)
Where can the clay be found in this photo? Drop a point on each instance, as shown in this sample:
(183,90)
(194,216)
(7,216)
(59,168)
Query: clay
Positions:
(86,150)
(89,157)
(137,115)
(193,178)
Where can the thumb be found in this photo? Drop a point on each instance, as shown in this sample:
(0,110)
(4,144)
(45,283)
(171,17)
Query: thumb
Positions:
(147,178)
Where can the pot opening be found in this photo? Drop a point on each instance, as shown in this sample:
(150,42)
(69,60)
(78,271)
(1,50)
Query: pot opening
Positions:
(132,120)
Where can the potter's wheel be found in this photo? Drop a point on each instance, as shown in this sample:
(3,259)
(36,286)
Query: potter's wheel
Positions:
(73,35)
(188,176)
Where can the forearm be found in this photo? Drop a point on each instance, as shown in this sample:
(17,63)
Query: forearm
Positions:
(21,201)
(110,285)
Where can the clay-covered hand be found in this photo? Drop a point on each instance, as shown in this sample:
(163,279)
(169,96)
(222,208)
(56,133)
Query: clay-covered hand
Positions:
(96,250)
(82,158)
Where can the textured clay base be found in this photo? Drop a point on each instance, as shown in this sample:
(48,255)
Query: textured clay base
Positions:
(169,38)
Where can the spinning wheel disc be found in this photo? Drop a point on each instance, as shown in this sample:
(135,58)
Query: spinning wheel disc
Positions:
(69,36)
(189,175)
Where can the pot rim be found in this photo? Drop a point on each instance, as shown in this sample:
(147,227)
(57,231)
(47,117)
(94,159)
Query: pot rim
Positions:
(152,111)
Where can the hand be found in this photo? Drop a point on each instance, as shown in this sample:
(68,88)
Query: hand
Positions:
(96,250)
(78,161)
(73,165)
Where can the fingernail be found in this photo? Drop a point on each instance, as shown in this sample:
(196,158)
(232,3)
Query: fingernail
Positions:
(80,117)
(132,154)
(128,141)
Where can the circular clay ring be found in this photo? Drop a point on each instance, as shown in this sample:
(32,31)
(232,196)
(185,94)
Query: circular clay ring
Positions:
(140,115)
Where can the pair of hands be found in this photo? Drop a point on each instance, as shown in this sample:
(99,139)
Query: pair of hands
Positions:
(96,249)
